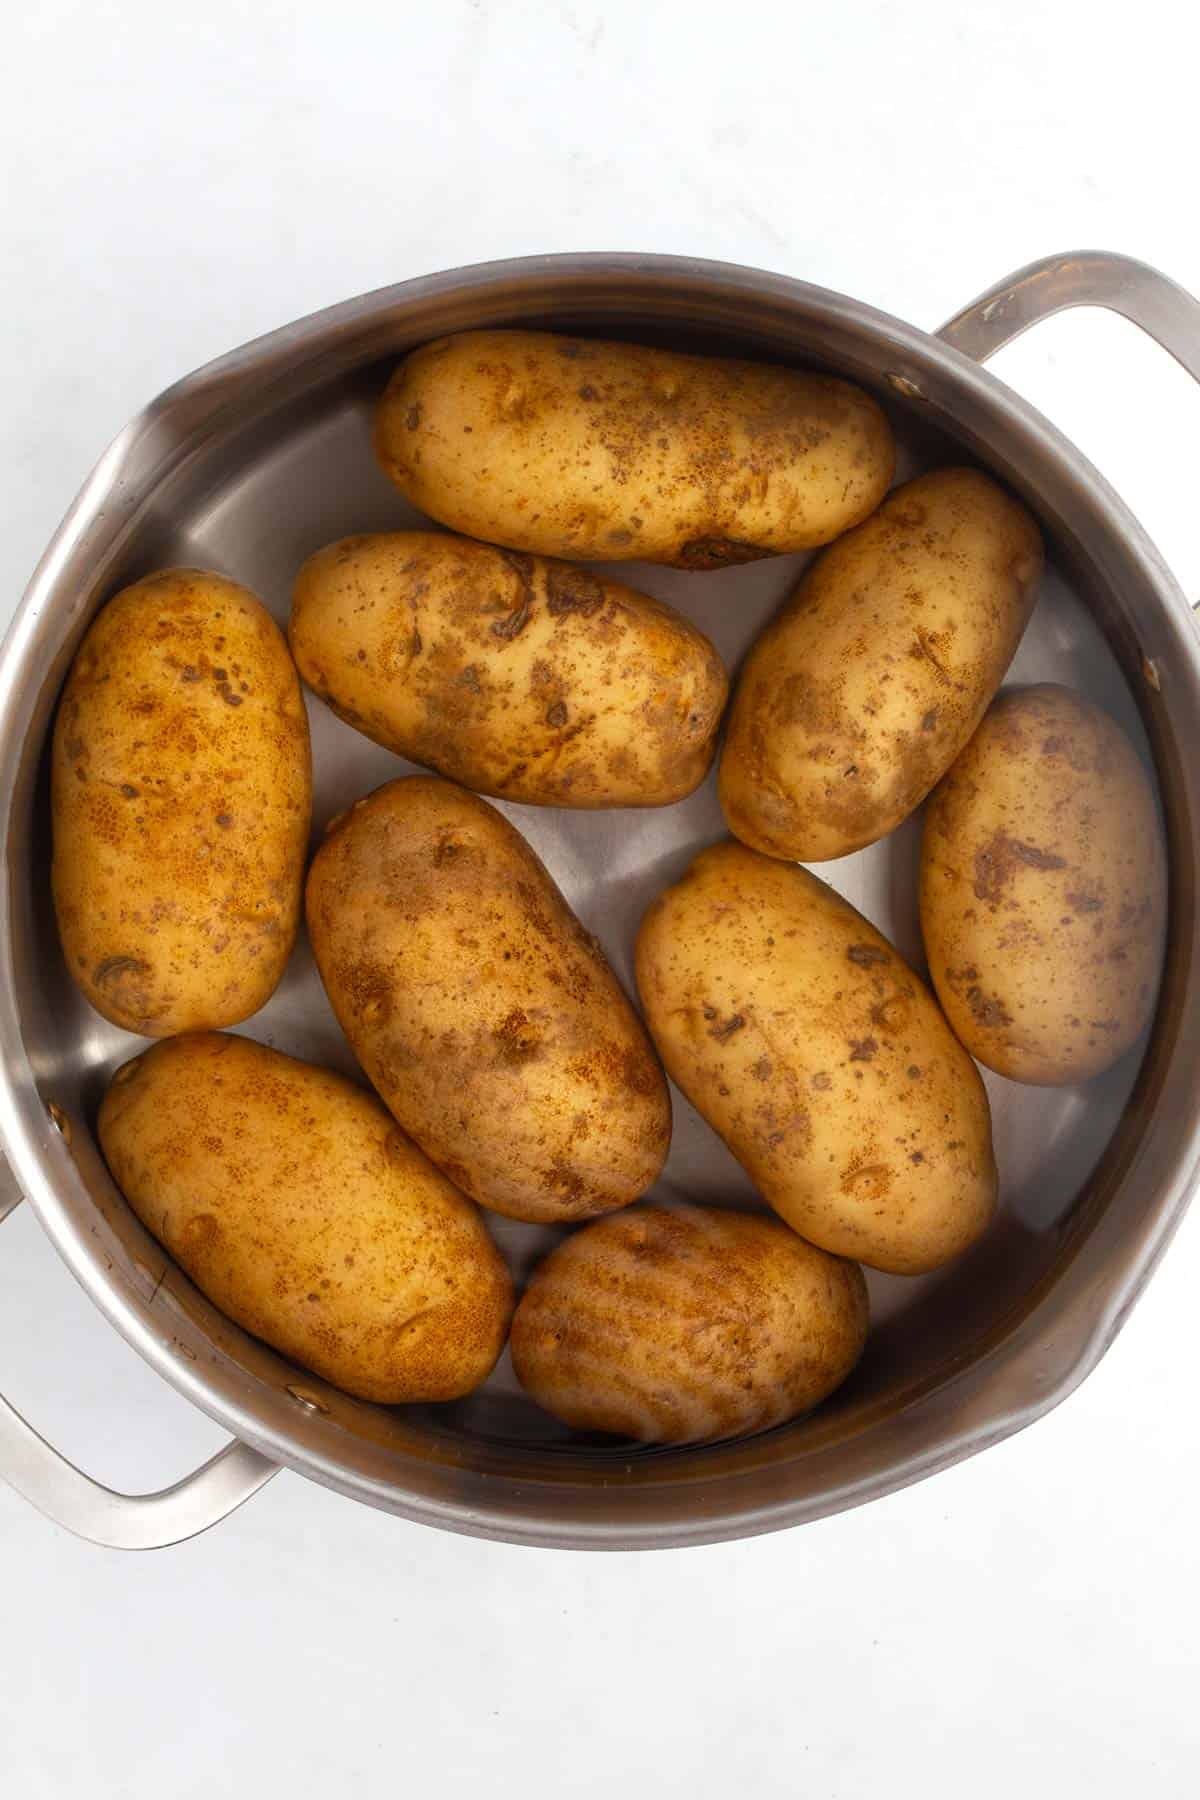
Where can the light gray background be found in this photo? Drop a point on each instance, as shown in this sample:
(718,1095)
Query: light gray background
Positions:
(181,179)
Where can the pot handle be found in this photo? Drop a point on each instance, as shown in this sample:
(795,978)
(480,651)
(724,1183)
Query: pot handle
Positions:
(121,1521)
(1164,311)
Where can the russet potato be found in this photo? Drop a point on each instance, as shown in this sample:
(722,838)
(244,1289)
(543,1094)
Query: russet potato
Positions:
(295,1203)
(485,1015)
(599,451)
(806,1041)
(515,675)
(1043,889)
(680,1324)
(181,795)
(859,695)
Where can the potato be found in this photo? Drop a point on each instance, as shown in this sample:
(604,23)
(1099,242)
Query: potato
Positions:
(292,1200)
(514,675)
(1044,890)
(807,1042)
(857,698)
(679,1324)
(181,792)
(607,452)
(481,1009)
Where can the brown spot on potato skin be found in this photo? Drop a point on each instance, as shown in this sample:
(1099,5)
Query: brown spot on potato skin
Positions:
(641,1074)
(723,1029)
(128,989)
(867,955)
(514,624)
(863,1049)
(114,966)
(870,1180)
(531,1026)
(534,908)
(368,986)
(536,681)
(197,1235)
(572,591)
(999,859)
(516,1040)
(986,1008)
(719,553)
(893,1013)
(289,1197)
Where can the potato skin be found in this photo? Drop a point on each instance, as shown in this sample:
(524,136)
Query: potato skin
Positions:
(294,1202)
(610,452)
(808,1043)
(680,1324)
(859,695)
(482,1011)
(181,795)
(514,675)
(1044,890)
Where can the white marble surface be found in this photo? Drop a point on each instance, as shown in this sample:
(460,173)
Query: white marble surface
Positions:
(180,179)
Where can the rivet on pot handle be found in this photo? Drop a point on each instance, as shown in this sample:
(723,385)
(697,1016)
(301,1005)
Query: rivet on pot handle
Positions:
(121,1521)
(1121,284)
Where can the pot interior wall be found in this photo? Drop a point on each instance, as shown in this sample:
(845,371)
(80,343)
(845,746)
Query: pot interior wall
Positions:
(301,473)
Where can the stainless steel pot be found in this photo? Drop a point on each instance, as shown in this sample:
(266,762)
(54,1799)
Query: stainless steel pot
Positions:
(256,459)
